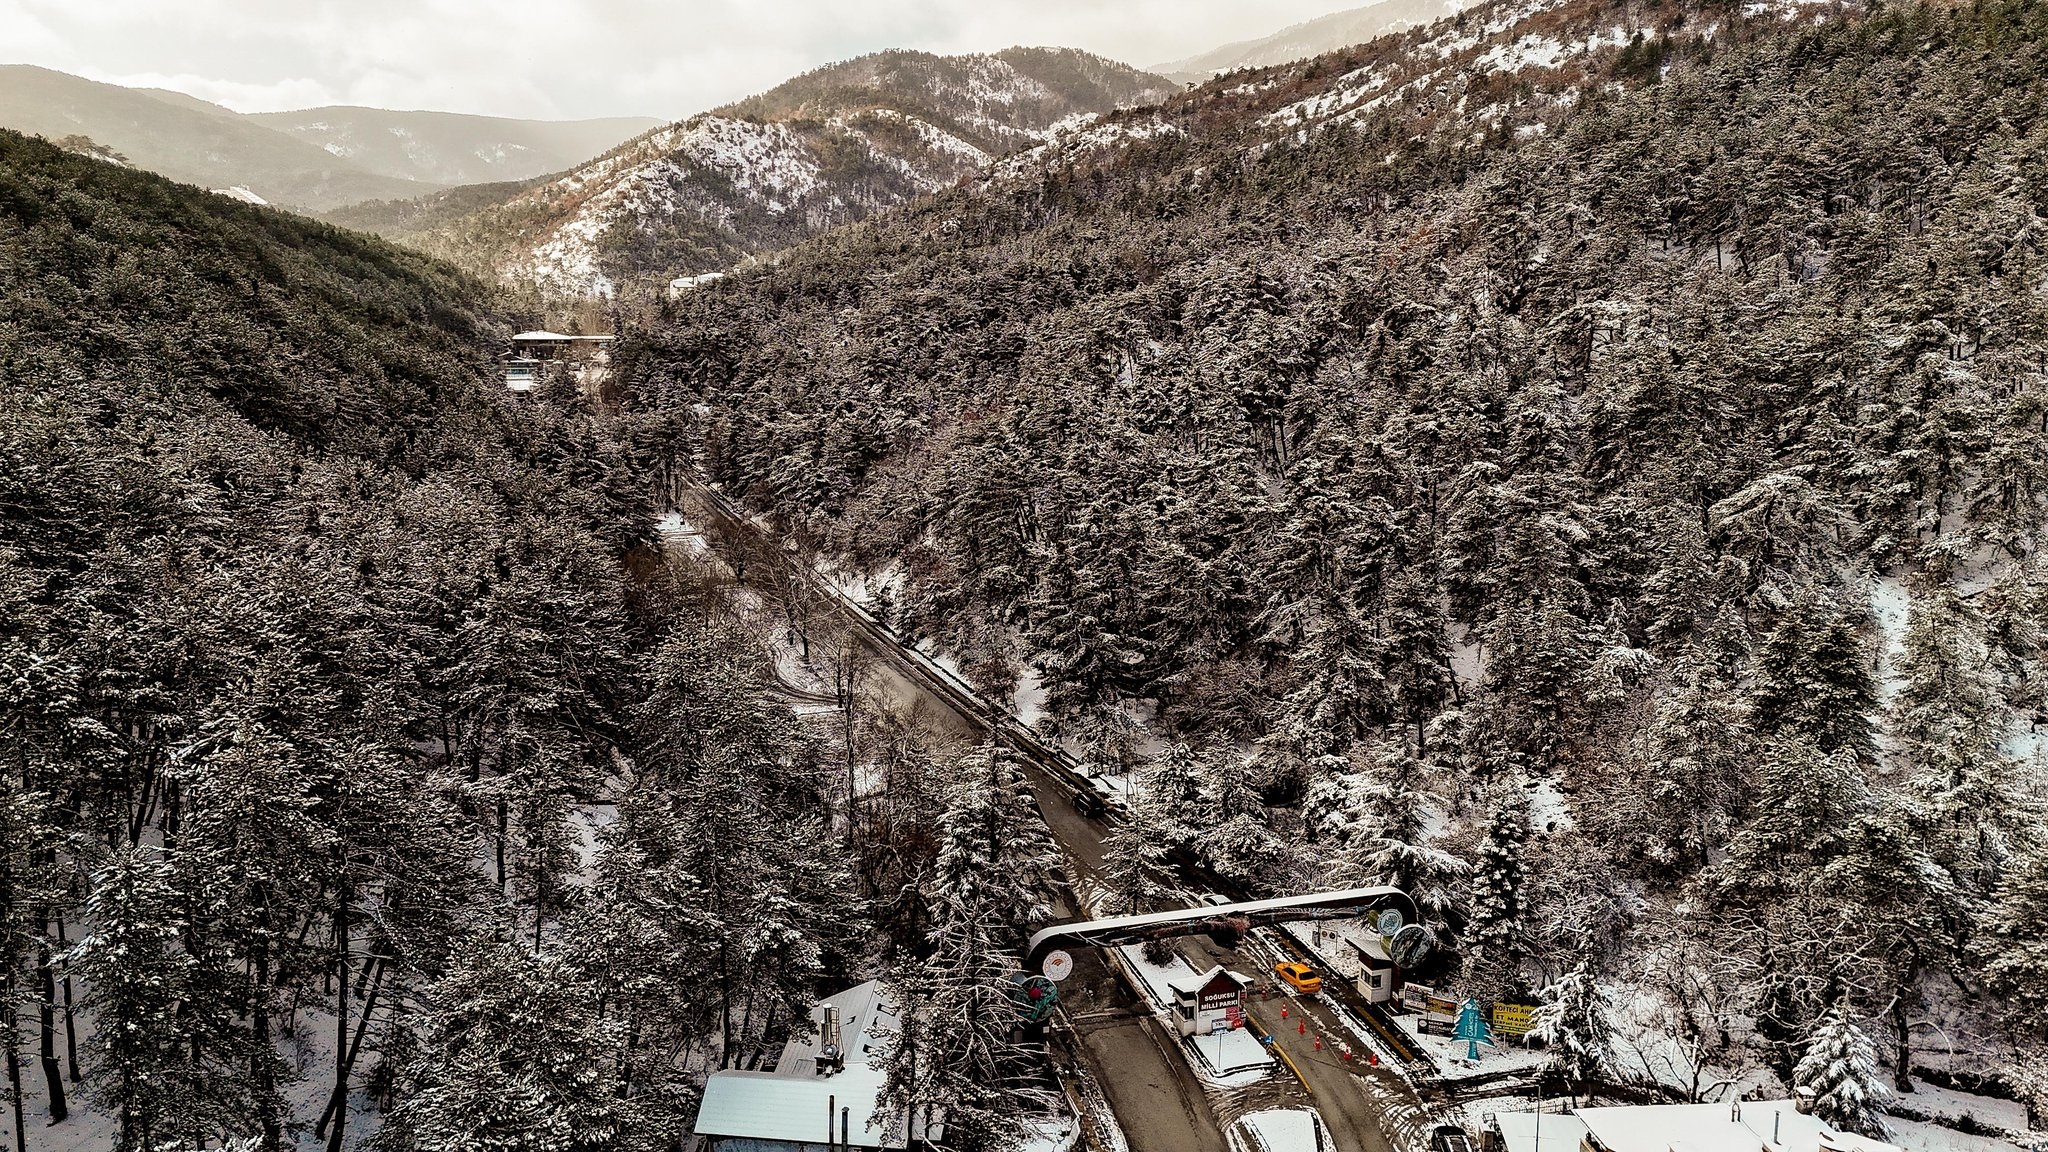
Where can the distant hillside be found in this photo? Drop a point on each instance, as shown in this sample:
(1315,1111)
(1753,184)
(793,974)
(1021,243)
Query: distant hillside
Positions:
(189,140)
(447,148)
(405,219)
(828,147)
(1327,34)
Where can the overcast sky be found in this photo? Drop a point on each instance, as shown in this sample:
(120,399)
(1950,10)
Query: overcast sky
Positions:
(573,58)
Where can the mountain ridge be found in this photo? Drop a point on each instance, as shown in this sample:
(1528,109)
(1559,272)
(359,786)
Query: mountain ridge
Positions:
(823,148)
(1309,38)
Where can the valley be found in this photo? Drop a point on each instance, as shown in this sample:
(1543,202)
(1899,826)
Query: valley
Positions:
(893,596)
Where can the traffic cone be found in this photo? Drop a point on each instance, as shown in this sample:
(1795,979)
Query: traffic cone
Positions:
(1374,1057)
(1319,1043)
(1301,1029)
(1283,1013)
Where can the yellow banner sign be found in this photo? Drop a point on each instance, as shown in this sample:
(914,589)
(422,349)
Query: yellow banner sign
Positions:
(1513,1019)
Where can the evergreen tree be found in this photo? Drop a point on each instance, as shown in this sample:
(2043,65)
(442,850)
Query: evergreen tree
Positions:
(137,974)
(1497,883)
(513,1054)
(1840,1070)
(2014,944)
(1574,1022)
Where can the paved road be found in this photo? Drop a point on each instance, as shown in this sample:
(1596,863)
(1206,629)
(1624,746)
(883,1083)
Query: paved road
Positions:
(1158,1102)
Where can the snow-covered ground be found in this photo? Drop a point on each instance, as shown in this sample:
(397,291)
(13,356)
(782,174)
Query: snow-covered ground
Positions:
(1500,1058)
(1279,1130)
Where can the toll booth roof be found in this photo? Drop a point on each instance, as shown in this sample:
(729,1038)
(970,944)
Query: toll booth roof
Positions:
(1190,986)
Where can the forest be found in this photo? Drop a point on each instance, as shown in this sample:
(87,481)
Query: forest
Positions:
(1606,504)
(318,657)
(1619,524)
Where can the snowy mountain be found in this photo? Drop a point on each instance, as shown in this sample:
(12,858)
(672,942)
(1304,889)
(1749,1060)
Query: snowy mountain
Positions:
(451,149)
(824,149)
(1311,38)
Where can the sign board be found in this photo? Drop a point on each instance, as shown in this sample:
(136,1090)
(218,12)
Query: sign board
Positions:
(1229,999)
(1415,997)
(1410,945)
(1058,966)
(1514,1019)
(1390,921)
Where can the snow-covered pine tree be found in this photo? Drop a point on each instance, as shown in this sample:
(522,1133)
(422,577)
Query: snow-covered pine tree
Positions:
(1840,1069)
(1574,1022)
(136,973)
(1393,847)
(2014,942)
(955,1050)
(1497,881)
(1944,727)
(514,1056)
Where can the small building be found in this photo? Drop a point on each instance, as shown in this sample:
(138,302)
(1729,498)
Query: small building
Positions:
(682,284)
(824,1092)
(1743,1126)
(1207,1002)
(1379,978)
(587,359)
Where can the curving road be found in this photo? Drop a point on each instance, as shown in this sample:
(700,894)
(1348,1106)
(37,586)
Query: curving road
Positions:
(1159,1103)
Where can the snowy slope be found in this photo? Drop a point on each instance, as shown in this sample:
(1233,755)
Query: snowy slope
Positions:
(824,149)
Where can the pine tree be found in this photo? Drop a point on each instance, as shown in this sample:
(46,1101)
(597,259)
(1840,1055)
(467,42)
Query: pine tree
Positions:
(1840,1070)
(514,1055)
(1497,882)
(2014,944)
(139,976)
(1574,1022)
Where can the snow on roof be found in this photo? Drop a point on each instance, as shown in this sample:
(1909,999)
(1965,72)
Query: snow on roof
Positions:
(1531,1132)
(1190,985)
(1755,1126)
(1285,1130)
(866,1021)
(541,336)
(793,1109)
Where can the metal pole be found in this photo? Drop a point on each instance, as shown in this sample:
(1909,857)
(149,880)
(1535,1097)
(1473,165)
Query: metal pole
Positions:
(831,1106)
(845,1139)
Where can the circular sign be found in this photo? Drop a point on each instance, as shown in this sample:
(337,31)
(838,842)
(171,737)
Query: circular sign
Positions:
(1411,945)
(1390,921)
(1058,965)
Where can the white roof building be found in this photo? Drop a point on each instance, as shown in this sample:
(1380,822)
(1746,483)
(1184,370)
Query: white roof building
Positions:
(786,1110)
(1749,1126)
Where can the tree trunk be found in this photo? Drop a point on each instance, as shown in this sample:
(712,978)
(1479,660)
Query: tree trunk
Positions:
(260,1070)
(70,1019)
(341,994)
(46,1011)
(337,1103)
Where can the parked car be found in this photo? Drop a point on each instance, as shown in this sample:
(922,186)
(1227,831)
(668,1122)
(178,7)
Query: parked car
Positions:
(1088,803)
(1449,1138)
(1214,899)
(1299,976)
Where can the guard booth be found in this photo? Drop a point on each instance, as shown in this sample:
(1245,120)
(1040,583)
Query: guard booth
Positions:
(1209,1002)
(1379,978)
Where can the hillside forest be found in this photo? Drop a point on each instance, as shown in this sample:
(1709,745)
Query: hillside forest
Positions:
(1620,525)
(1605,501)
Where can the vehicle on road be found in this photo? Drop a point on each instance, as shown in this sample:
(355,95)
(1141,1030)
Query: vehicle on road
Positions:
(1089,804)
(1299,976)
(1280,1130)
(1214,899)
(1449,1138)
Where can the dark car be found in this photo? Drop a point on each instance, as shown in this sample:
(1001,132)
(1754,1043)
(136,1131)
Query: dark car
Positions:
(1449,1138)
(1088,804)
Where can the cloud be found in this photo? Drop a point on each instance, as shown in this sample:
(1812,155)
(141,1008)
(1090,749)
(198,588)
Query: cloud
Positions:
(573,58)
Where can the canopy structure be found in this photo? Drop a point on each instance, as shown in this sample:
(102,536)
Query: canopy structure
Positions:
(1225,923)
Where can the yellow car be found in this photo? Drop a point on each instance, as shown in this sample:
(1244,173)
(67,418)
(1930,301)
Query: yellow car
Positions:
(1299,976)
